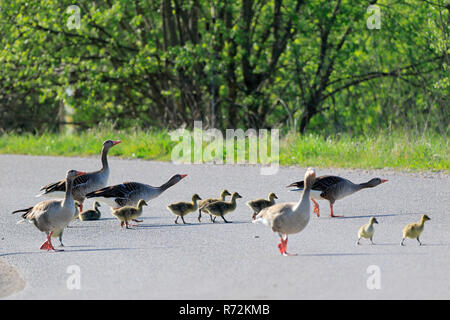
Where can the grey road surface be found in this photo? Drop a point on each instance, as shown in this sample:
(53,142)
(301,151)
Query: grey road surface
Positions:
(240,260)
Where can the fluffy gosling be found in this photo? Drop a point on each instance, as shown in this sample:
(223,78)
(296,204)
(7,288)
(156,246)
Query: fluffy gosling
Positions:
(367,230)
(259,204)
(414,230)
(128,213)
(180,209)
(221,208)
(92,214)
(203,203)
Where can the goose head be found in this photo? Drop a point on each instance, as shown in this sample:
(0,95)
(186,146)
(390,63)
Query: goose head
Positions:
(310,177)
(235,195)
(425,217)
(108,144)
(272,196)
(375,182)
(373,220)
(142,203)
(225,193)
(176,178)
(196,197)
(72,174)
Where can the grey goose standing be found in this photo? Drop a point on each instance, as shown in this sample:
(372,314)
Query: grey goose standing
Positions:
(129,193)
(52,216)
(86,183)
(334,188)
(289,217)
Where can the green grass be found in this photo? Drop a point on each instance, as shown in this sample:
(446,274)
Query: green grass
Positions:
(396,150)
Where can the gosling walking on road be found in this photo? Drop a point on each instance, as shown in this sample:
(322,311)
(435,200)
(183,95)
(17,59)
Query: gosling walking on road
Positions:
(128,213)
(180,209)
(367,230)
(414,230)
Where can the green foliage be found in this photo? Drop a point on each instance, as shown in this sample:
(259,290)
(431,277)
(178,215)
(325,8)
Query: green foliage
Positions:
(306,65)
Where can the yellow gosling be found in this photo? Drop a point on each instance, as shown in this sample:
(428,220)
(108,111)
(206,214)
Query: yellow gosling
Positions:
(128,213)
(259,204)
(414,230)
(221,208)
(205,202)
(180,209)
(367,230)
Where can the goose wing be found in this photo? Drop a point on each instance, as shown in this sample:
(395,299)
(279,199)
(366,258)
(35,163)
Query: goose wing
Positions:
(79,182)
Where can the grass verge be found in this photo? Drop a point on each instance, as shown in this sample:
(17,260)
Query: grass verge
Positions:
(395,150)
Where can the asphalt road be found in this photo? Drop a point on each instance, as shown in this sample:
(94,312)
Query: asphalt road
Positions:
(240,260)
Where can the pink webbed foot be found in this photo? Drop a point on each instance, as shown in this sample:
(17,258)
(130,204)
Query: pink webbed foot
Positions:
(316,207)
(44,246)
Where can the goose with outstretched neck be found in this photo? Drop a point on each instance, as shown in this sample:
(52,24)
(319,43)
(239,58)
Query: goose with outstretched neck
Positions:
(289,217)
(129,193)
(334,188)
(52,216)
(86,183)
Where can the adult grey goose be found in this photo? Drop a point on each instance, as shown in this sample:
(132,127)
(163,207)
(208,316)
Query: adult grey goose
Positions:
(52,216)
(289,217)
(86,183)
(334,188)
(129,193)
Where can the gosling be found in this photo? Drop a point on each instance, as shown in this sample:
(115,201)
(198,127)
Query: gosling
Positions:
(203,203)
(180,209)
(367,230)
(259,204)
(92,214)
(128,213)
(414,230)
(220,208)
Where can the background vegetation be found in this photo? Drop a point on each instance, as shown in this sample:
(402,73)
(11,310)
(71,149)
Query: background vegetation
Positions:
(396,150)
(308,66)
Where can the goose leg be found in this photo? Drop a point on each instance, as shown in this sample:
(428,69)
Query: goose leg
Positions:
(316,207)
(135,220)
(212,219)
(357,242)
(47,245)
(182,218)
(60,240)
(176,220)
(283,247)
(225,220)
(371,240)
(199,215)
(420,243)
(331,212)
(401,243)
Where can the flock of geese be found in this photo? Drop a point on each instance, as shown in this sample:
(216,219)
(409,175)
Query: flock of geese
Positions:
(128,199)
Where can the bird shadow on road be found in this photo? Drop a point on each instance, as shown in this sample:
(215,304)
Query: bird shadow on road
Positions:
(65,251)
(377,215)
(353,254)
(189,224)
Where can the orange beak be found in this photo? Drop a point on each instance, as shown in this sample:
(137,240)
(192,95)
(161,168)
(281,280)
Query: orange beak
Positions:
(80,173)
(116,142)
(384,180)
(183,175)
